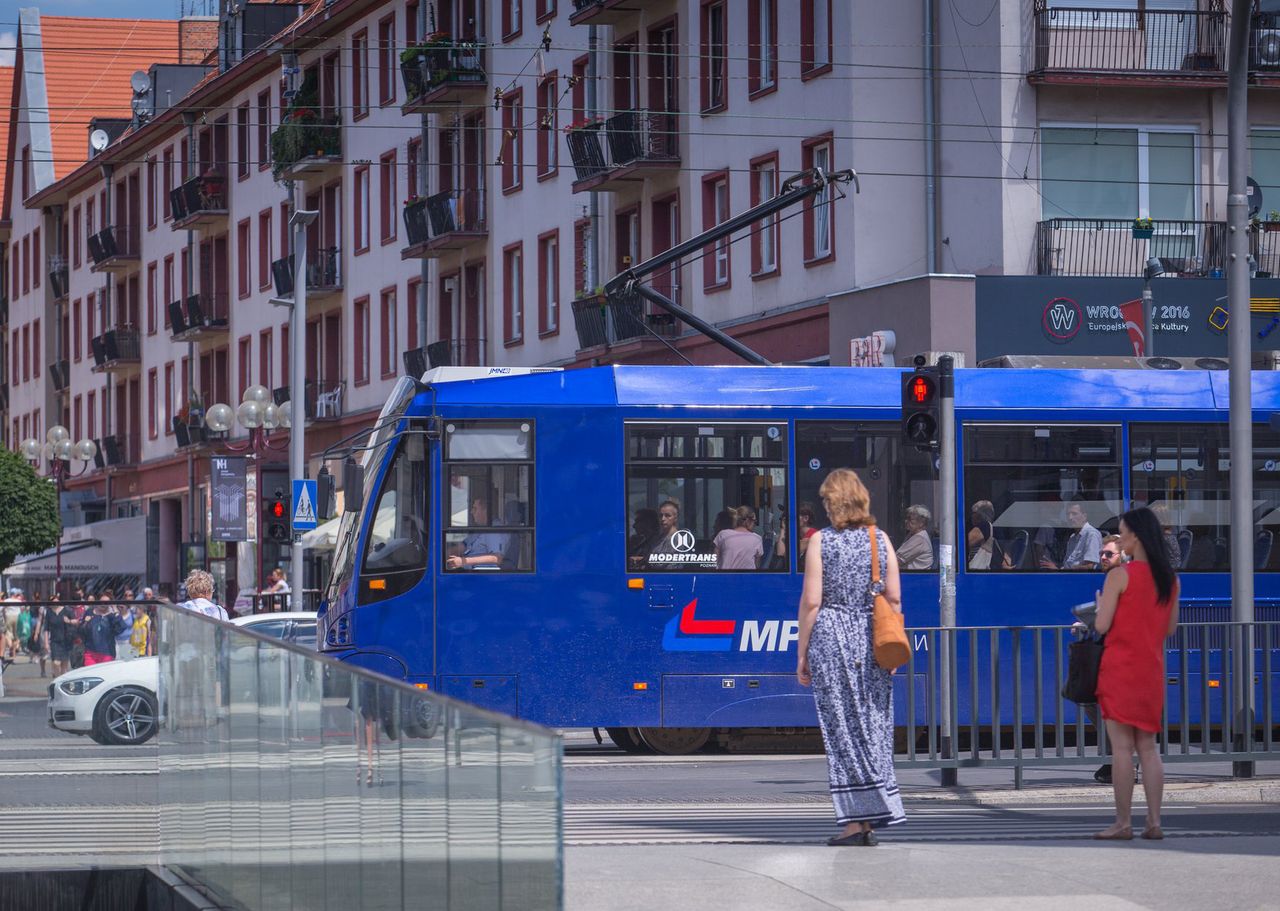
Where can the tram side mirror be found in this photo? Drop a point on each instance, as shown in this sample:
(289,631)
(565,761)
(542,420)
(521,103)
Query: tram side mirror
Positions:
(325,495)
(352,486)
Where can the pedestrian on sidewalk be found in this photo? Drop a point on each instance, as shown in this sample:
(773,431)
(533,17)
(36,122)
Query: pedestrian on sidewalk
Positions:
(99,630)
(200,595)
(1137,611)
(854,694)
(1109,555)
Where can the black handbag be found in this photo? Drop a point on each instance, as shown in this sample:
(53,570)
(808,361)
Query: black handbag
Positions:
(1083,660)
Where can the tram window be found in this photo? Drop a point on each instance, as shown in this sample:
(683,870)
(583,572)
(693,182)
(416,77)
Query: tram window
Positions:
(901,481)
(1183,472)
(684,483)
(395,554)
(1029,488)
(488,503)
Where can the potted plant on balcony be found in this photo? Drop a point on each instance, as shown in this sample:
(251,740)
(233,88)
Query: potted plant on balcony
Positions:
(1272,224)
(425,65)
(1143,228)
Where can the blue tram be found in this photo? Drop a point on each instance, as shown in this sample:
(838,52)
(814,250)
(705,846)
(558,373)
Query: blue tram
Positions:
(544,542)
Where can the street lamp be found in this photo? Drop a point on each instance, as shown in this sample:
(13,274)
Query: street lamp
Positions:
(59,452)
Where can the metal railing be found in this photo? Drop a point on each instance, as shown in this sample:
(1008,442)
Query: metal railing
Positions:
(457,211)
(1006,709)
(457,352)
(206,194)
(119,240)
(605,320)
(1165,42)
(631,137)
(1109,247)
(116,346)
(448,62)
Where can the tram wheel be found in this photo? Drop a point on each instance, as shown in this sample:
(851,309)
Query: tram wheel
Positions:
(627,739)
(675,741)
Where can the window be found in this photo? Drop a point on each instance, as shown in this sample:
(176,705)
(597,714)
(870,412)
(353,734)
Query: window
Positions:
(412,158)
(264,130)
(26,353)
(166,178)
(715,210)
(89,309)
(151,191)
(153,403)
(389,196)
(683,480)
(242,141)
(388,318)
(544,10)
(244,356)
(412,289)
(819,217)
(169,413)
(579,96)
(35,349)
(169,295)
(361,336)
(387,57)
(815,37)
(489,509)
(396,553)
(90,416)
(14,358)
(715,56)
(1022,482)
(762,47)
(152,305)
(242,257)
(581,238)
(265,352)
(512,142)
(264,248)
(411,23)
(897,478)
(26,264)
(285,377)
(75,235)
(513,294)
(626,75)
(549,283)
(627,238)
(548,126)
(511,19)
(77,417)
(764,238)
(360,75)
(1183,472)
(361,226)
(37,267)
(1109,173)
(77,312)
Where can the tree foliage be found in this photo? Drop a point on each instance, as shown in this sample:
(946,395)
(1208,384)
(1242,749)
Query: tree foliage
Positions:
(29,521)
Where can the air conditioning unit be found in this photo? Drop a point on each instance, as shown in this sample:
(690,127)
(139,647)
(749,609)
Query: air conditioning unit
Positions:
(1266,49)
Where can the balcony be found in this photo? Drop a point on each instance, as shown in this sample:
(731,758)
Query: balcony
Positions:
(60,375)
(455,220)
(115,248)
(201,316)
(604,12)
(443,71)
(59,277)
(201,202)
(1129,47)
(323,401)
(456,352)
(189,432)
(118,451)
(116,351)
(306,146)
(602,320)
(324,274)
(635,145)
(1104,247)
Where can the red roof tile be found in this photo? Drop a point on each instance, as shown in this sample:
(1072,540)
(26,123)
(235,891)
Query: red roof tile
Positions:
(6,115)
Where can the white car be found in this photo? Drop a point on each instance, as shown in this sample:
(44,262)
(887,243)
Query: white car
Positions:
(115,702)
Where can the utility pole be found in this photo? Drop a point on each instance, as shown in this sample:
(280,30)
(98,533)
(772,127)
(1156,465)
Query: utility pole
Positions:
(947,551)
(1240,356)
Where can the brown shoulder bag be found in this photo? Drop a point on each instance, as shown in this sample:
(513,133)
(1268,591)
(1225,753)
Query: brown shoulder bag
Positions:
(888,633)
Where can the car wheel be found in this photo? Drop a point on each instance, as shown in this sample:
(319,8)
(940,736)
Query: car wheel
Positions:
(126,716)
(98,738)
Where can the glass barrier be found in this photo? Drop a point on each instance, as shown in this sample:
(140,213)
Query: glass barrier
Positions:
(291,780)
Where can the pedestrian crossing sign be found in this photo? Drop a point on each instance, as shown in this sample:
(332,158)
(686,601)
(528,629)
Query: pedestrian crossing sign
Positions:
(304,505)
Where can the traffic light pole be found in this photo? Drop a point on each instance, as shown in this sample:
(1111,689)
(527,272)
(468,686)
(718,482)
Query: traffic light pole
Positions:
(947,552)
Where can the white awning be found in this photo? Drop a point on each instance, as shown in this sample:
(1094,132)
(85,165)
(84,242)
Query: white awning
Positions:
(114,547)
(322,537)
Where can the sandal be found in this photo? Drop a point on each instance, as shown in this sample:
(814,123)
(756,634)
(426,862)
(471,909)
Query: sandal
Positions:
(1153,833)
(1124,833)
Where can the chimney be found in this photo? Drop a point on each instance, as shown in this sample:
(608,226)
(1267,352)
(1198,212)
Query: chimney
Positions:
(197,38)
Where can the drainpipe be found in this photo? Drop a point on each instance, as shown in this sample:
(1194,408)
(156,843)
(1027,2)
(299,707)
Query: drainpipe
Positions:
(593,205)
(188,286)
(107,297)
(930,141)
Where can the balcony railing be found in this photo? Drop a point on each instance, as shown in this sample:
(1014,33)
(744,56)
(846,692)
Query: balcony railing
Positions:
(1163,45)
(59,277)
(456,352)
(1108,248)
(115,349)
(60,375)
(199,202)
(118,450)
(441,71)
(627,147)
(324,273)
(202,315)
(456,220)
(115,248)
(602,320)
(306,146)
(323,401)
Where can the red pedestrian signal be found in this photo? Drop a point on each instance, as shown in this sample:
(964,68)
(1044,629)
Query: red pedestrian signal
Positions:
(277,509)
(920,408)
(920,390)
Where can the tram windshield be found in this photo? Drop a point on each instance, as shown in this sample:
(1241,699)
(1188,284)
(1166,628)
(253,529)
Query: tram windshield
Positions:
(375,455)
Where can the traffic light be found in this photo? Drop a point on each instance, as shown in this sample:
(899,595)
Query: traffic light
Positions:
(920,416)
(275,505)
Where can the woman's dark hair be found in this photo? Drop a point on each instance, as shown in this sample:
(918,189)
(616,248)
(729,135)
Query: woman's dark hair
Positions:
(1146,528)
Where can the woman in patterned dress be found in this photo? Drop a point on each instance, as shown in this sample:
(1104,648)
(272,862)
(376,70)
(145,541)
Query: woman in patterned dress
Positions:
(853,693)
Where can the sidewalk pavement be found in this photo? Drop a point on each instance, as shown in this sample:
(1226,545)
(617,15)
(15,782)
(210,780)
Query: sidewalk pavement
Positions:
(22,680)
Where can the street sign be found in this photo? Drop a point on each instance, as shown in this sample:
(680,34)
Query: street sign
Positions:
(304,504)
(228,516)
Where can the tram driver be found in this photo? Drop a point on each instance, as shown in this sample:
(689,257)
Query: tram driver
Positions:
(483,548)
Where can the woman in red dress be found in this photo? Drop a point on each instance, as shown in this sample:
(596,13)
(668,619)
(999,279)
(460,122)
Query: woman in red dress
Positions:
(1137,610)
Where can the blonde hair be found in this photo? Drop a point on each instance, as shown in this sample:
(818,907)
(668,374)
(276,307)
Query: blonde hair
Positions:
(1111,539)
(847,500)
(199,584)
(742,515)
